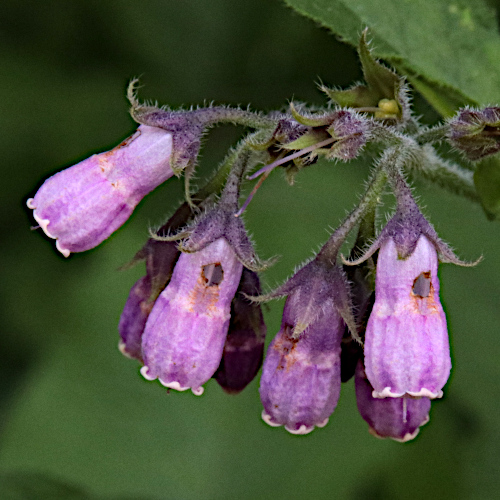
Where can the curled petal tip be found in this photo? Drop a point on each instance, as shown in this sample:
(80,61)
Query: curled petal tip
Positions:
(426,393)
(64,251)
(197,391)
(423,393)
(268,419)
(122,347)
(30,203)
(407,437)
(145,373)
(173,385)
(43,223)
(301,431)
(387,393)
(323,423)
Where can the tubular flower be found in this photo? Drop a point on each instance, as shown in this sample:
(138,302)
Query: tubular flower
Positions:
(395,418)
(185,333)
(300,383)
(83,205)
(244,347)
(160,259)
(406,346)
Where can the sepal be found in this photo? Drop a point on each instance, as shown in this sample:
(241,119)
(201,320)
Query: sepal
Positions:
(384,95)
(476,132)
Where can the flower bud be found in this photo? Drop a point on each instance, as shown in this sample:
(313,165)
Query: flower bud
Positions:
(406,343)
(351,131)
(83,205)
(160,260)
(134,317)
(395,418)
(476,132)
(244,347)
(185,333)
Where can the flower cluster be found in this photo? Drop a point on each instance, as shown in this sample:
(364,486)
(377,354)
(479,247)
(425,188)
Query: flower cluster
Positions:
(196,313)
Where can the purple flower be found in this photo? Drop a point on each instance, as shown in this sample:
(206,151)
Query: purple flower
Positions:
(476,132)
(83,205)
(160,259)
(244,347)
(406,344)
(185,333)
(300,384)
(396,418)
(134,317)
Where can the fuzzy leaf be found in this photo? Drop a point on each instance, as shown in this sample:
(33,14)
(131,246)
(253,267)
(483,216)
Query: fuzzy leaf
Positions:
(448,51)
(455,45)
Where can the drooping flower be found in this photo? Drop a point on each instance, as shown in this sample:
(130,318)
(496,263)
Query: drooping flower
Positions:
(406,347)
(300,383)
(406,342)
(185,333)
(395,418)
(84,204)
(160,258)
(244,346)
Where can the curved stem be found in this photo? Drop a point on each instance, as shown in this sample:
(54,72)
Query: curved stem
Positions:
(369,201)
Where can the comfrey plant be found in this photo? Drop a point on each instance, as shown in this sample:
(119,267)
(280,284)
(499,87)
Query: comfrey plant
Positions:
(374,315)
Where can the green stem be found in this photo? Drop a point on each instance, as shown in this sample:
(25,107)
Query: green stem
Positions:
(218,181)
(368,203)
(432,135)
(236,116)
(445,174)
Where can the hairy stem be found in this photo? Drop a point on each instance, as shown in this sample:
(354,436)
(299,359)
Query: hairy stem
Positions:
(368,202)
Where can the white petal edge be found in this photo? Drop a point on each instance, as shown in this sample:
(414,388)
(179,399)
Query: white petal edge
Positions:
(145,374)
(267,419)
(301,431)
(43,223)
(173,385)
(122,347)
(407,437)
(423,393)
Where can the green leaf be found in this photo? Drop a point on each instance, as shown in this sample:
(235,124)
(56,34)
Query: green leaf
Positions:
(455,45)
(445,100)
(487,181)
(448,50)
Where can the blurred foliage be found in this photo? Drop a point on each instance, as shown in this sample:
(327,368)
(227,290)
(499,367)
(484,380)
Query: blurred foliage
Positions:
(76,415)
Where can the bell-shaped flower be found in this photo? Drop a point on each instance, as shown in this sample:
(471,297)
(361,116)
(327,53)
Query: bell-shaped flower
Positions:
(395,418)
(160,258)
(185,333)
(84,204)
(406,346)
(244,346)
(301,379)
(300,384)
(406,341)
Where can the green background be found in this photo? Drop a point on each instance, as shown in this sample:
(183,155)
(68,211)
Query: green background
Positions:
(76,418)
